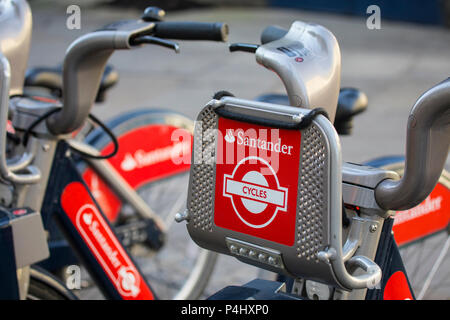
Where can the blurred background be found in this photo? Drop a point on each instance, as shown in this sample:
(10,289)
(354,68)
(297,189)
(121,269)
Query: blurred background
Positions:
(393,65)
(429,12)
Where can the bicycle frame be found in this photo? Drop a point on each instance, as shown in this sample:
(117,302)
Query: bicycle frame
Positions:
(89,232)
(98,247)
(115,185)
(60,172)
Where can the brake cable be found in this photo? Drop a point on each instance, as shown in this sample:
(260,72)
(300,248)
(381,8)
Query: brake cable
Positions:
(94,119)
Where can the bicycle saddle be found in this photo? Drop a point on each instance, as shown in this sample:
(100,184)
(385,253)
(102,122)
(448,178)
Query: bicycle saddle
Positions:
(51,78)
(351,102)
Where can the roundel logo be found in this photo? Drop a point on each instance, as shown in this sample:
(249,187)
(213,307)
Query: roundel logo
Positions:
(256,198)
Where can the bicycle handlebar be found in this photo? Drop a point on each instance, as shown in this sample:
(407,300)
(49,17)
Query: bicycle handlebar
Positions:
(86,58)
(214,31)
(83,67)
(427,145)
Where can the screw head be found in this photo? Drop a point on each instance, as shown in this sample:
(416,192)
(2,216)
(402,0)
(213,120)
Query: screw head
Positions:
(373,228)
(181,216)
(243,251)
(298,117)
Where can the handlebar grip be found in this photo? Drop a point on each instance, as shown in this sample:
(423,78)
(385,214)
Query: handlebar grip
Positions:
(214,31)
(272,33)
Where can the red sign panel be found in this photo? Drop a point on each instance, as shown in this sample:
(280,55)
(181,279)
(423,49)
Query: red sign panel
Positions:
(256,180)
(102,242)
(432,215)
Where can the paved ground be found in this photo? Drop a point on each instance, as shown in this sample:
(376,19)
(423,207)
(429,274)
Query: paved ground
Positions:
(393,66)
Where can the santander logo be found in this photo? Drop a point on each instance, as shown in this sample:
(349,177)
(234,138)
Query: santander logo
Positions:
(128,281)
(141,158)
(258,143)
(103,244)
(110,256)
(229,137)
(128,163)
(94,228)
(426,207)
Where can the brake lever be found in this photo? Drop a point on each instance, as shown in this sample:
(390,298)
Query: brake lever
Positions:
(245,47)
(154,40)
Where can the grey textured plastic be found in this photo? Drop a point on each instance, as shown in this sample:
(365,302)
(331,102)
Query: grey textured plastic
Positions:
(313,194)
(202,176)
(317,251)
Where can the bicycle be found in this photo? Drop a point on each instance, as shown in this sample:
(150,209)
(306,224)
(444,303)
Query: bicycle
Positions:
(335,239)
(416,236)
(47,81)
(42,171)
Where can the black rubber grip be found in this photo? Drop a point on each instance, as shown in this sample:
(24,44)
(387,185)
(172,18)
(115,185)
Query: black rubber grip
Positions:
(214,31)
(272,33)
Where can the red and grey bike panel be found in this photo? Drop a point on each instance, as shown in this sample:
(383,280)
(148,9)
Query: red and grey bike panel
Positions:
(86,228)
(96,232)
(147,153)
(260,185)
(430,216)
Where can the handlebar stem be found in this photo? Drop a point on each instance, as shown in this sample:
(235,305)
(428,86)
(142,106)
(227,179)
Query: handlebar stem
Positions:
(84,63)
(427,145)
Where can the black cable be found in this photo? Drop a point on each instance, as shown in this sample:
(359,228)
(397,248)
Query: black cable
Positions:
(87,155)
(222,93)
(309,117)
(15,139)
(35,123)
(109,133)
(345,218)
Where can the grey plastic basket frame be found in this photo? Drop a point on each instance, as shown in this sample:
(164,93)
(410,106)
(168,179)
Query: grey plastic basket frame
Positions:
(319,258)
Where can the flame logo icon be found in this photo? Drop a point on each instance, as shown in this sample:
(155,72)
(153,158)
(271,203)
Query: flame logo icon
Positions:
(128,163)
(87,217)
(229,137)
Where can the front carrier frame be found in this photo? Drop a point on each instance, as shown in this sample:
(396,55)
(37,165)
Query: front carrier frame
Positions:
(266,188)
